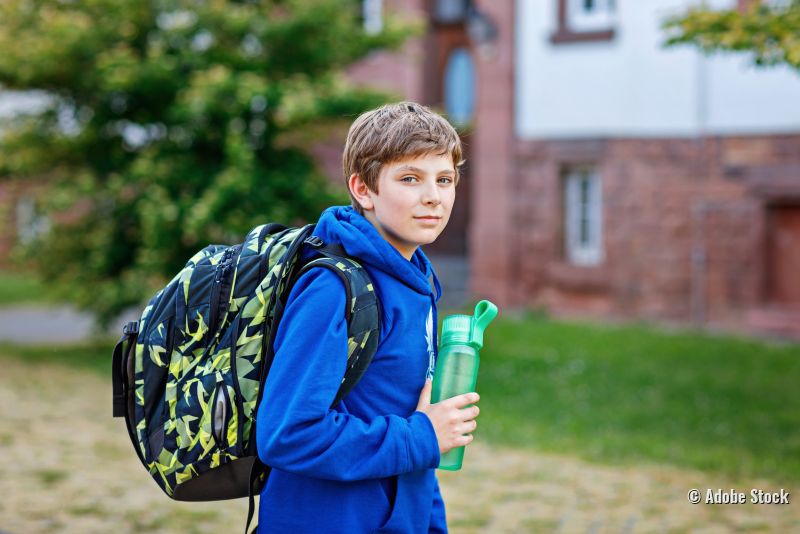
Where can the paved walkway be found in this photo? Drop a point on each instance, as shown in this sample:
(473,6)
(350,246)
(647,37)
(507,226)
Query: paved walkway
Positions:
(42,324)
(38,324)
(453,273)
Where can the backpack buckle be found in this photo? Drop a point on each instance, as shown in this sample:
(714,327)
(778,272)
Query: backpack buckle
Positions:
(131,328)
(314,241)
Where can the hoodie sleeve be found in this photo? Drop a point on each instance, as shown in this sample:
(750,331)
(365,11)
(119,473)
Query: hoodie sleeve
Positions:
(438,523)
(297,431)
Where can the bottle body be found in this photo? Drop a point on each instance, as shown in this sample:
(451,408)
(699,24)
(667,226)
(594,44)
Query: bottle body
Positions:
(456,374)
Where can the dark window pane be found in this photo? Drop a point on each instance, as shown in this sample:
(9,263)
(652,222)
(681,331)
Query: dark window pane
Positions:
(459,87)
(584,207)
(450,11)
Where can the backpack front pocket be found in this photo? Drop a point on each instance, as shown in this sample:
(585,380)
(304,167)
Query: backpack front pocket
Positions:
(224,417)
(203,429)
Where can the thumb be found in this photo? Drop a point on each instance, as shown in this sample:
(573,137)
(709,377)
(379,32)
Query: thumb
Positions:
(425,396)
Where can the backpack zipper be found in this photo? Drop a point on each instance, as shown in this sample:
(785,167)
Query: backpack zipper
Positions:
(220,274)
(221,417)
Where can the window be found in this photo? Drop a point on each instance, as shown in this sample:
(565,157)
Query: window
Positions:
(459,87)
(583,217)
(31,223)
(450,11)
(585,20)
(590,15)
(372,11)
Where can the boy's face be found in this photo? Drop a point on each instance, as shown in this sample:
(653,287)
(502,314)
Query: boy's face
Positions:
(414,202)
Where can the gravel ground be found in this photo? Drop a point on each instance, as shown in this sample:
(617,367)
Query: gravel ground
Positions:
(67,466)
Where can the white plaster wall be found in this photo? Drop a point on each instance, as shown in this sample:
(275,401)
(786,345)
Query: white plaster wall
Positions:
(744,98)
(633,87)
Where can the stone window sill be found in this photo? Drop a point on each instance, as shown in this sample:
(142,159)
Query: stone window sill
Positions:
(578,277)
(566,36)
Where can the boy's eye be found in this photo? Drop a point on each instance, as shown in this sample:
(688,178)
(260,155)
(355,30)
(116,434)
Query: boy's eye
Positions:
(408,178)
(445,180)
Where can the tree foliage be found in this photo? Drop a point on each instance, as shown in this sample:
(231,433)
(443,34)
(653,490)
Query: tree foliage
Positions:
(170,124)
(770,31)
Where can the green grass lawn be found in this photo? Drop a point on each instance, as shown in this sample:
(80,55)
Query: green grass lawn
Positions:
(22,288)
(618,394)
(626,394)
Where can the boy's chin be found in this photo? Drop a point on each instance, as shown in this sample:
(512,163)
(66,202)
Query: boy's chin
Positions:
(428,239)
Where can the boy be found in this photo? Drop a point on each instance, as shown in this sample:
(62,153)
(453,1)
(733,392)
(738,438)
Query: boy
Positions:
(367,464)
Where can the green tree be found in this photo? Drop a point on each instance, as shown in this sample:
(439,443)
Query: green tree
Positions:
(770,31)
(170,124)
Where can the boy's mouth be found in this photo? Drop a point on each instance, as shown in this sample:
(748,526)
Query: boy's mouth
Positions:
(429,221)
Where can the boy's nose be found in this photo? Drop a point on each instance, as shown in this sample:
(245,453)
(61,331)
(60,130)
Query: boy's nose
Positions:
(431,196)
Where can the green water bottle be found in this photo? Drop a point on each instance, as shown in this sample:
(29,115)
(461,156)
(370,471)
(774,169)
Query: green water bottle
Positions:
(457,365)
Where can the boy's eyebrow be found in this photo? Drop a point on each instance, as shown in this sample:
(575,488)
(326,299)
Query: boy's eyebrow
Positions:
(417,170)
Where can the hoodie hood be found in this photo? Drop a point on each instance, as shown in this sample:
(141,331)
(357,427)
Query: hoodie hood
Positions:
(344,225)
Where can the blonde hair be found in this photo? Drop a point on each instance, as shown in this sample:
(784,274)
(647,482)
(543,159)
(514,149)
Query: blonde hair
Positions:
(393,132)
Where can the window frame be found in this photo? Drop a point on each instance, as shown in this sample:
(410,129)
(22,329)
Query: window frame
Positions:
(572,28)
(583,212)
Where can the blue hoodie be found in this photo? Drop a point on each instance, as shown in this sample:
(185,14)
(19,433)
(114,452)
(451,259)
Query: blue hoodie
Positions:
(367,464)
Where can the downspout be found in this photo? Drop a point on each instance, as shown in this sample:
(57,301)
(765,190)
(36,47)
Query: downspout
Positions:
(699,259)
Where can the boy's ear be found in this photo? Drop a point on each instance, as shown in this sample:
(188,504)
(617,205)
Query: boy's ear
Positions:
(360,191)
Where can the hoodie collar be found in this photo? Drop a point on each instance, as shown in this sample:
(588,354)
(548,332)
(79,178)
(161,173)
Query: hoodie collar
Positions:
(342,224)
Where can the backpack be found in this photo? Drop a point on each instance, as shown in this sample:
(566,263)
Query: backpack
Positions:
(189,375)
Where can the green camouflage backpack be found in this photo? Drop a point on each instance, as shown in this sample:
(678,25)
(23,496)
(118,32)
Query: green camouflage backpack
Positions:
(188,376)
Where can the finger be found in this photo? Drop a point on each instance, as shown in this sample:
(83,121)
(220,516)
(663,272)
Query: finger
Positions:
(467,427)
(464,440)
(470,413)
(425,395)
(466,399)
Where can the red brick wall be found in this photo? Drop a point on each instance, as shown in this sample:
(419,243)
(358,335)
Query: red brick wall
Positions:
(401,72)
(684,225)
(493,233)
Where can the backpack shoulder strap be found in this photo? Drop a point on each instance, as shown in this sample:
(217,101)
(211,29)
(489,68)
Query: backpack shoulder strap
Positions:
(363,328)
(362,312)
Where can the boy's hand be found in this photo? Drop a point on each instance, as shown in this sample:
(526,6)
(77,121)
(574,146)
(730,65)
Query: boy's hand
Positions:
(451,421)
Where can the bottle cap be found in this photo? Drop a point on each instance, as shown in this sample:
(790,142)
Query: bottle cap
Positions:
(468,329)
(456,329)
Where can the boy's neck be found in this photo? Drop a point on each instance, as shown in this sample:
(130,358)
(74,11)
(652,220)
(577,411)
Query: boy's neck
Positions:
(406,251)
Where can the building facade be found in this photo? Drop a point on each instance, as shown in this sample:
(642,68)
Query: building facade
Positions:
(637,181)
(612,177)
